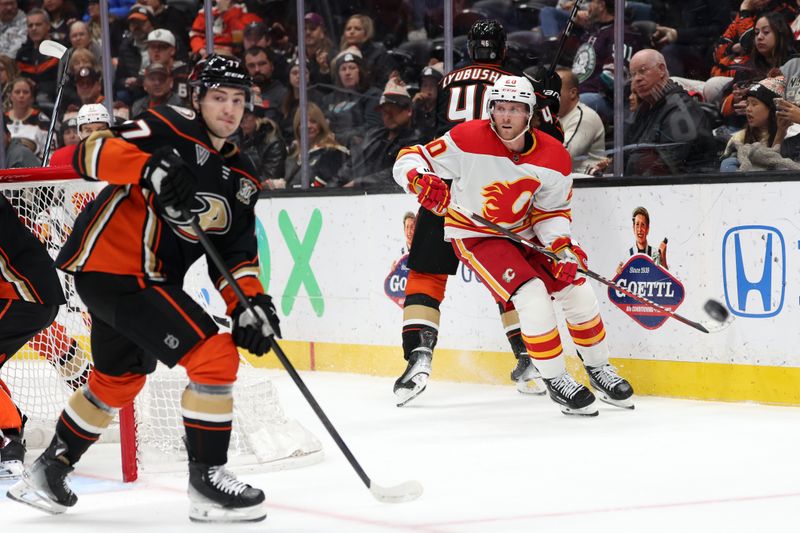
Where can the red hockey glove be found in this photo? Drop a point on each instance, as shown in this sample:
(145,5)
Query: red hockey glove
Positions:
(570,258)
(170,178)
(432,193)
(247,334)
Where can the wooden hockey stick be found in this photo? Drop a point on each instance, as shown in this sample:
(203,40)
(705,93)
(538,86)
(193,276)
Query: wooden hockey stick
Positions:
(585,271)
(404,492)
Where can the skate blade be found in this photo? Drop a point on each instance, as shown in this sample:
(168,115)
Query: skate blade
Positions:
(627,403)
(209,512)
(589,410)
(405,395)
(11,470)
(22,492)
(535,387)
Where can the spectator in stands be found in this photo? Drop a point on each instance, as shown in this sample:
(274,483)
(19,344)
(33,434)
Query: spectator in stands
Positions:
(351,107)
(424,102)
(255,34)
(686,32)
(584,134)
(736,44)
(89,87)
(158,85)
(61,14)
(319,49)
(359,32)
(292,100)
(774,43)
(268,92)
(759,146)
(18,152)
(68,134)
(13,28)
(79,37)
(325,155)
(667,116)
(553,19)
(172,18)
(133,54)
(8,72)
(40,68)
(230,19)
(161,48)
(261,140)
(594,61)
(371,161)
(24,119)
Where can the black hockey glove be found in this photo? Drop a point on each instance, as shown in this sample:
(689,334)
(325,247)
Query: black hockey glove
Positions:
(546,86)
(246,331)
(171,179)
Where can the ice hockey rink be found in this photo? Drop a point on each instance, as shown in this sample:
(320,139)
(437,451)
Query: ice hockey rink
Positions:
(490,459)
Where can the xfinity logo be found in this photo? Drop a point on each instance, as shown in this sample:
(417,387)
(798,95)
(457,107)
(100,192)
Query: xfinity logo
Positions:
(754,270)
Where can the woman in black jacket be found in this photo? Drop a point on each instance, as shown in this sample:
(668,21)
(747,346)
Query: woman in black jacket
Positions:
(262,142)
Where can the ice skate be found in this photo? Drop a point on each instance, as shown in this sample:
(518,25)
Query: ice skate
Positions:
(610,386)
(527,378)
(44,484)
(574,398)
(215,495)
(414,380)
(12,455)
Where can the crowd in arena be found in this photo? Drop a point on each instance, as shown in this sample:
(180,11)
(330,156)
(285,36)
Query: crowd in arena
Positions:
(710,85)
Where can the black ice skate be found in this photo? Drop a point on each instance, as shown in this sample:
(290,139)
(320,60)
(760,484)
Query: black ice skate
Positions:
(215,495)
(44,484)
(610,386)
(414,380)
(574,398)
(12,455)
(527,378)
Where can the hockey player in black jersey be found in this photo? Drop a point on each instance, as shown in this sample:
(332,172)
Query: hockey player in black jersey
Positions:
(129,252)
(461,97)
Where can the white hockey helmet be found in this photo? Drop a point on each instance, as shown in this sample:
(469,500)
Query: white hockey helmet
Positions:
(91,113)
(512,89)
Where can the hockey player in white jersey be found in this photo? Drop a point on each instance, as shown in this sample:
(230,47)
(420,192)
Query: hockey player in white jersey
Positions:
(518,178)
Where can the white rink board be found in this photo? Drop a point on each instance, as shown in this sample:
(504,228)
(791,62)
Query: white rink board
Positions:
(360,237)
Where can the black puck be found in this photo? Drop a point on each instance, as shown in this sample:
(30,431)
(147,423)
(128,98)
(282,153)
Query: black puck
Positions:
(716,310)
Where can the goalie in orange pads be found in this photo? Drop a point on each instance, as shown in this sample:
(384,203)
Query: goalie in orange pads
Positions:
(129,251)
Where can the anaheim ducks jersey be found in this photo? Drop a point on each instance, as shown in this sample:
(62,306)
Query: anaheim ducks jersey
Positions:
(462,97)
(529,193)
(26,270)
(124,230)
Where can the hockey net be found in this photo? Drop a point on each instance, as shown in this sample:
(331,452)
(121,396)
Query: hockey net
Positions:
(43,374)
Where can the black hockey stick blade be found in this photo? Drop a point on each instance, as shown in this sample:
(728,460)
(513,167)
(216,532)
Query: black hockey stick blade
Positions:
(410,490)
(585,271)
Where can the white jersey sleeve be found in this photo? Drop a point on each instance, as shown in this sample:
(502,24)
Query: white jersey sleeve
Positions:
(441,156)
(550,210)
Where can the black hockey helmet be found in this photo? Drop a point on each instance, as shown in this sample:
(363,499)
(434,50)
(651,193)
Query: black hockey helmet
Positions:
(487,41)
(220,71)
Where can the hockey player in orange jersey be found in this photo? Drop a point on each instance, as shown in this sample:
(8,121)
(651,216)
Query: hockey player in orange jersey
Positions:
(518,178)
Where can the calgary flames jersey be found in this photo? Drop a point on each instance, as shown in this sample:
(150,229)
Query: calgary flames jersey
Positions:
(124,231)
(529,193)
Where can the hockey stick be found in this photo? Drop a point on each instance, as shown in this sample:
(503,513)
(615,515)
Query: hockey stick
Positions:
(404,492)
(585,271)
(563,39)
(57,50)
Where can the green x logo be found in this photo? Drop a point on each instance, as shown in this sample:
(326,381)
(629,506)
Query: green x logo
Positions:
(301,254)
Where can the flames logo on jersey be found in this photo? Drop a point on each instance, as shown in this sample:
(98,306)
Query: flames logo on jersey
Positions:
(213,213)
(508,202)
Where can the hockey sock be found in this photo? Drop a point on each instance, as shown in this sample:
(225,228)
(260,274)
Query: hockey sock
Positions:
(83,420)
(539,329)
(584,323)
(510,319)
(420,313)
(208,419)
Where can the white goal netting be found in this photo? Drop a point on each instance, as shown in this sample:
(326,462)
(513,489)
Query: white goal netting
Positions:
(43,374)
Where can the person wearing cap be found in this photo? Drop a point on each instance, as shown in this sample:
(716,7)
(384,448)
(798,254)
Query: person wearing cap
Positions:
(158,85)
(666,116)
(161,48)
(269,92)
(230,19)
(19,153)
(371,161)
(88,86)
(68,133)
(173,18)
(13,27)
(255,34)
(424,102)
(132,54)
(40,68)
(319,49)
(764,130)
(351,106)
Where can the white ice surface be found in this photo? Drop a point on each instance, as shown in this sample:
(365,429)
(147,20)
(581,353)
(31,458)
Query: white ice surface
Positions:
(490,459)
